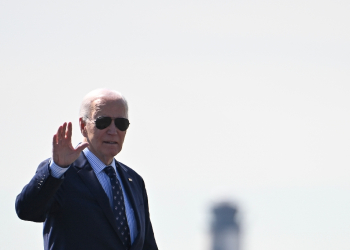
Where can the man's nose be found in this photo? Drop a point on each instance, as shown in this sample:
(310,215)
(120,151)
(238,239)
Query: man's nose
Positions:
(112,129)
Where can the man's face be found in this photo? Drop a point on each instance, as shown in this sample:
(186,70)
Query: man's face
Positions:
(104,143)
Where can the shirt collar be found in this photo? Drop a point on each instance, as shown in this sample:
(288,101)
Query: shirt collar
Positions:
(96,164)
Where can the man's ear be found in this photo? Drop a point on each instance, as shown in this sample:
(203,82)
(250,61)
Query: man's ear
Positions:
(82,127)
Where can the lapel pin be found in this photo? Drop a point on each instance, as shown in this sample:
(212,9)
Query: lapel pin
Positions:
(130,179)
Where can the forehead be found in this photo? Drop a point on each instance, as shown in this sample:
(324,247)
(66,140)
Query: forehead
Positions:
(108,107)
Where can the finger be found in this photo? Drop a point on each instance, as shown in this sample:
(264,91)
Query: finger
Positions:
(54,140)
(58,134)
(81,146)
(69,131)
(63,131)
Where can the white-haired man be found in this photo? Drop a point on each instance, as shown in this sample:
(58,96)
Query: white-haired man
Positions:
(87,199)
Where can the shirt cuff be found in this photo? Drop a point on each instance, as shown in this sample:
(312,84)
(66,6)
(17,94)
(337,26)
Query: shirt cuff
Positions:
(57,171)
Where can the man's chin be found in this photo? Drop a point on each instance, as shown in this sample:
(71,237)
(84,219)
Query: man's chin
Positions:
(112,153)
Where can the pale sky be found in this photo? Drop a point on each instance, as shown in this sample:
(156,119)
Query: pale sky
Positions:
(245,101)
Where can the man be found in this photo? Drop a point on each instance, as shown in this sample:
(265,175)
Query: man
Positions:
(87,199)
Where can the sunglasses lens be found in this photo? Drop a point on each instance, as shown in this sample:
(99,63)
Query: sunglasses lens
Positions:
(103,122)
(121,123)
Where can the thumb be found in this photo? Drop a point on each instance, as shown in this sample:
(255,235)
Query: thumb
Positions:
(81,146)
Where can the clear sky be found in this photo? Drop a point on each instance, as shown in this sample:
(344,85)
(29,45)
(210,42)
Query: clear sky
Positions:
(246,101)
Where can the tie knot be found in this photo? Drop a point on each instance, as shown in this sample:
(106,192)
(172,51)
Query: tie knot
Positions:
(109,170)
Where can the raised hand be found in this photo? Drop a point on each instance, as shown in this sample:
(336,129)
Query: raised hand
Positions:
(63,153)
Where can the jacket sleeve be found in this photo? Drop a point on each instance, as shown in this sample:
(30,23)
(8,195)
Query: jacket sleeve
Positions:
(150,242)
(37,197)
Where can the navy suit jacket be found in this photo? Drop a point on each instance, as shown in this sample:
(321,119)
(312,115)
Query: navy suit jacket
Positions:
(76,210)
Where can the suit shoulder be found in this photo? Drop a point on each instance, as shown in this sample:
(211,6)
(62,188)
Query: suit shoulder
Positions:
(129,171)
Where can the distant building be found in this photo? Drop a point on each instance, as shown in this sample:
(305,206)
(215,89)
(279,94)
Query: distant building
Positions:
(225,229)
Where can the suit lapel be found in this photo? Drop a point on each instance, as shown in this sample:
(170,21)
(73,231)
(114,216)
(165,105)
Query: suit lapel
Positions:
(131,192)
(87,174)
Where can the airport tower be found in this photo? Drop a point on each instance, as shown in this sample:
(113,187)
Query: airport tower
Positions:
(225,229)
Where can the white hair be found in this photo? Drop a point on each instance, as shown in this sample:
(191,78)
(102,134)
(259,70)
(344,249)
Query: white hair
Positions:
(85,107)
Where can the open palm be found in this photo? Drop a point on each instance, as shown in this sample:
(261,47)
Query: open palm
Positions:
(63,153)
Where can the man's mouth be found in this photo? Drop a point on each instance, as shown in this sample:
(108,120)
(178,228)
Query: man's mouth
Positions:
(110,142)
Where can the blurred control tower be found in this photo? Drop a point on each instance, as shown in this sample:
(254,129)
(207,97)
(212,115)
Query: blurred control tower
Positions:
(225,229)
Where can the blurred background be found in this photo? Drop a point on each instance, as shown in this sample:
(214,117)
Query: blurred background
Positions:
(240,104)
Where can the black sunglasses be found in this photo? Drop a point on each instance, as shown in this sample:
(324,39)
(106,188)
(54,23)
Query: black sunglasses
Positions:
(103,122)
